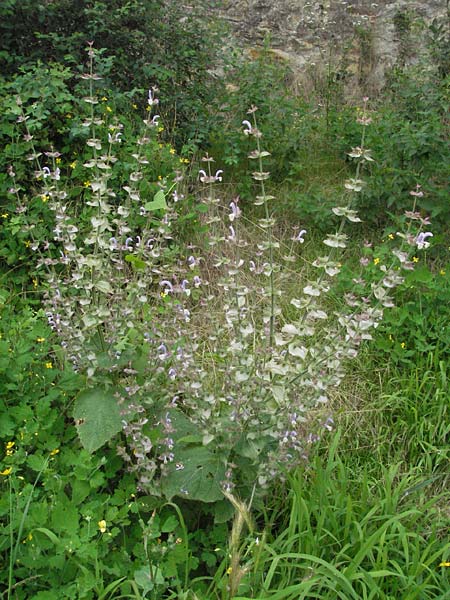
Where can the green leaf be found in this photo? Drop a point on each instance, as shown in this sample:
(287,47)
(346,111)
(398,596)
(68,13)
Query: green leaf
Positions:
(145,580)
(104,286)
(158,203)
(169,524)
(136,262)
(97,417)
(199,479)
(64,516)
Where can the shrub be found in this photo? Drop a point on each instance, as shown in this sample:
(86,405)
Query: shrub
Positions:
(127,303)
(147,43)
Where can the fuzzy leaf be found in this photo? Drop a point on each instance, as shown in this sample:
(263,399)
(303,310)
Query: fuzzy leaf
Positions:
(97,417)
(199,479)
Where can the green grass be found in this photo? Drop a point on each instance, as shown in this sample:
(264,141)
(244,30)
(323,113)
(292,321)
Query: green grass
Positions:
(352,537)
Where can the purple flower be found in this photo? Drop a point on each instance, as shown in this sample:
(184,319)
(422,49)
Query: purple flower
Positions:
(204,178)
(248,126)
(299,236)
(420,240)
(235,210)
(114,139)
(167,284)
(162,352)
(151,100)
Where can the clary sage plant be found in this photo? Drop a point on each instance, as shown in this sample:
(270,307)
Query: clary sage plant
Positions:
(198,366)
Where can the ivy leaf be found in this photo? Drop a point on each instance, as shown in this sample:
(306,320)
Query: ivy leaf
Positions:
(200,478)
(158,203)
(97,417)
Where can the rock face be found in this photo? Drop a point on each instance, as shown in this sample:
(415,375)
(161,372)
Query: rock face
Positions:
(361,37)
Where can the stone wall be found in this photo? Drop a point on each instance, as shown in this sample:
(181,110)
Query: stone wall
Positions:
(361,37)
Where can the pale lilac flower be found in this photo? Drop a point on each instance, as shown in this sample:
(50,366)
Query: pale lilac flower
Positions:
(162,352)
(235,210)
(114,139)
(420,240)
(167,284)
(249,128)
(151,100)
(299,236)
(417,192)
(204,178)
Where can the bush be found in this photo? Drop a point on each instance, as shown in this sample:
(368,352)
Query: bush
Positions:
(148,43)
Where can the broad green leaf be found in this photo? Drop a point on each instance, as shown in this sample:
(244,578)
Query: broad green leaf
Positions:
(97,417)
(200,478)
(135,261)
(64,515)
(158,203)
(170,524)
(145,580)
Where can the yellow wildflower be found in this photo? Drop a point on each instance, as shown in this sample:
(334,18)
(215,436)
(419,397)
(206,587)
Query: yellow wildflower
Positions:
(415,259)
(104,99)
(102,526)
(160,128)
(444,564)
(5,215)
(6,472)
(376,261)
(108,109)
(49,365)
(9,445)
(54,452)
(391,236)
(40,340)
(403,345)
(58,161)
(27,243)
(44,197)
(35,282)
(442,272)
(172,151)
(73,164)
(86,184)
(134,106)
